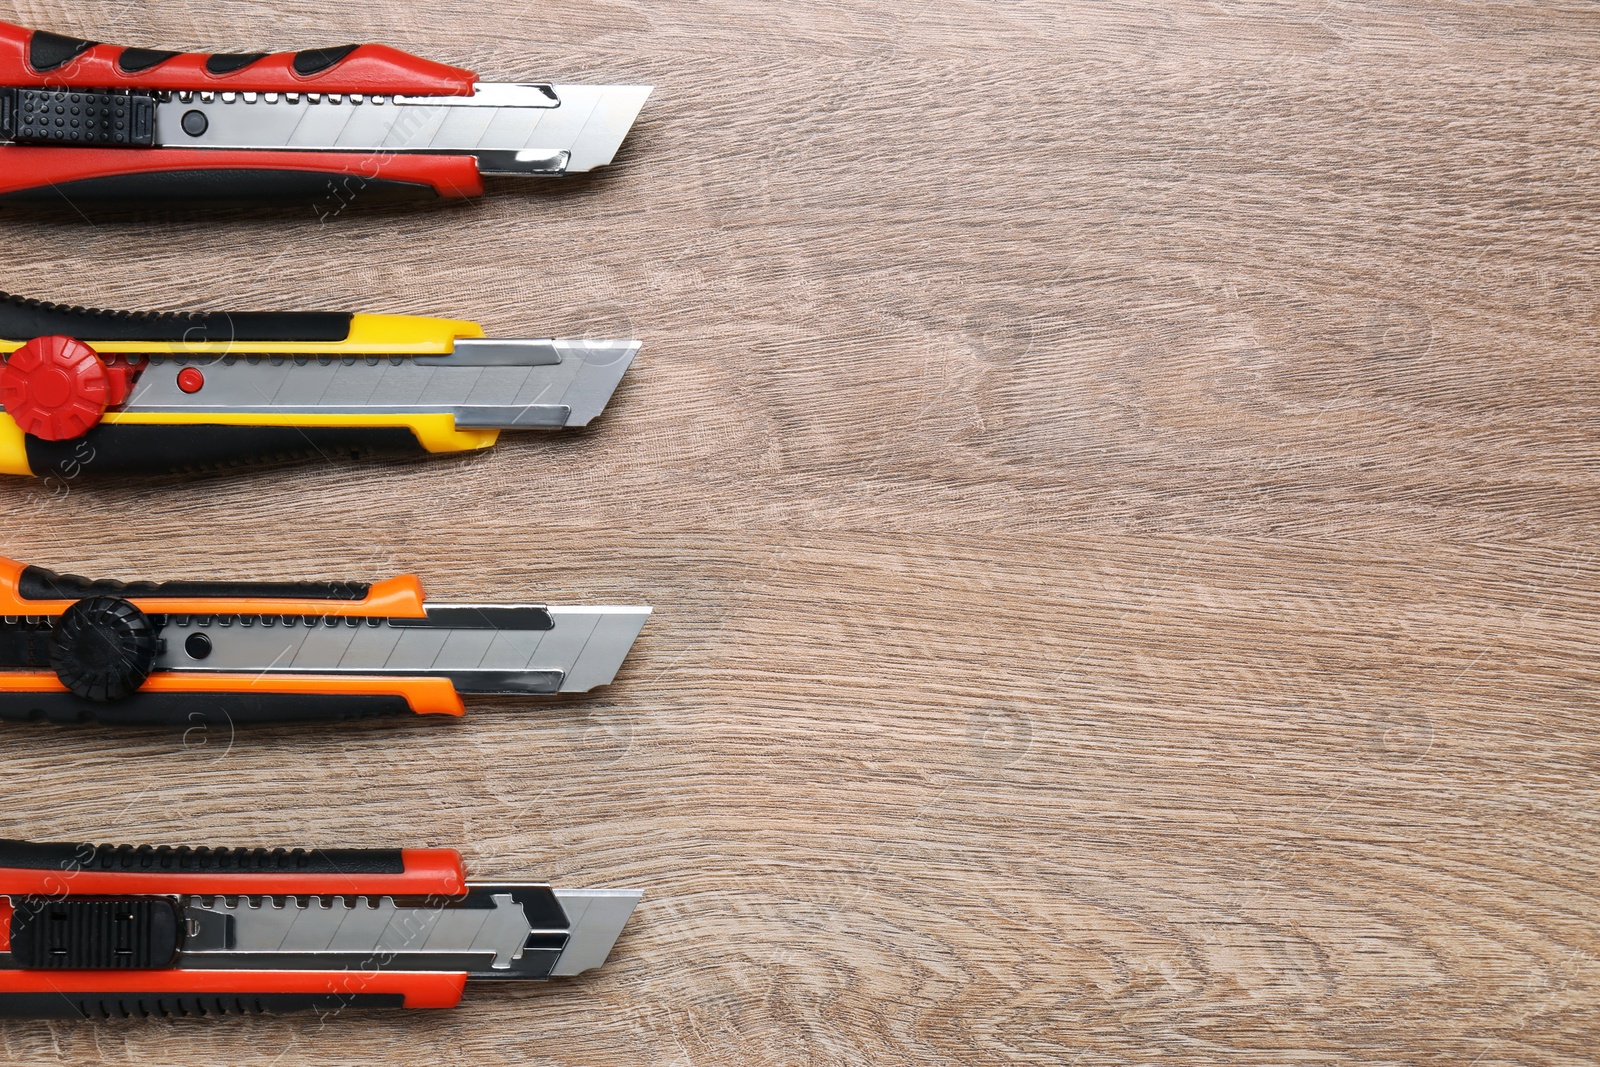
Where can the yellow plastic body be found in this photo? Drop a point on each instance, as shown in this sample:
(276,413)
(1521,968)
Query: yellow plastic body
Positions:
(13,447)
(387,335)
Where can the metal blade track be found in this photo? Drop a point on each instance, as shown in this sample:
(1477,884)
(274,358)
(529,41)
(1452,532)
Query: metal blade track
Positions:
(481,649)
(496,384)
(499,931)
(331,932)
(495,931)
(511,128)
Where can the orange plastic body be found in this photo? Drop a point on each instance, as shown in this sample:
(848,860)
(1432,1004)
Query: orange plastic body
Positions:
(426,696)
(396,598)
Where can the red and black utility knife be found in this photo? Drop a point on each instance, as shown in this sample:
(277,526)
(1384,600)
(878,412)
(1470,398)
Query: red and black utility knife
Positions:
(114,931)
(84,119)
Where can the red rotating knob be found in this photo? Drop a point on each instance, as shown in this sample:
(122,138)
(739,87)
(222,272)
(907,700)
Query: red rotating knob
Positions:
(55,388)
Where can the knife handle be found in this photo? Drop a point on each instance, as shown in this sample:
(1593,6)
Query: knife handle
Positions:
(327,181)
(42,584)
(23,319)
(92,977)
(32,869)
(149,448)
(52,624)
(37,58)
(27,591)
(180,997)
(214,710)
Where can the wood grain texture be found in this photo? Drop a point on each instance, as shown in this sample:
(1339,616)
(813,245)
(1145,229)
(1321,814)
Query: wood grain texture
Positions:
(1118,483)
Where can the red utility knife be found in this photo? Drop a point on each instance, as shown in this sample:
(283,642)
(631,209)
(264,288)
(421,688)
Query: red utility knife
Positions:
(84,119)
(114,931)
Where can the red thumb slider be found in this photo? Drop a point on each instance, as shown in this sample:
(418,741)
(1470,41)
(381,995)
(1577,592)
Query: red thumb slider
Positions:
(56,388)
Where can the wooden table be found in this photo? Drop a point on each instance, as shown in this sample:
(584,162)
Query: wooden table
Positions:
(1119,487)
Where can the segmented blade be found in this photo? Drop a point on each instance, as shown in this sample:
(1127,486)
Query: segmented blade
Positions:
(497,384)
(494,931)
(511,128)
(355,926)
(481,649)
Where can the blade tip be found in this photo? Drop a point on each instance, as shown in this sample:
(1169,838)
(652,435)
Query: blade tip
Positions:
(597,919)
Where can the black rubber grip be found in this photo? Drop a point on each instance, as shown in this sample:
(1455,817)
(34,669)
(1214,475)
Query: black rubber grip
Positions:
(138,60)
(228,63)
(36,583)
(316,60)
(188,711)
(23,320)
(165,859)
(114,1005)
(48,51)
(111,449)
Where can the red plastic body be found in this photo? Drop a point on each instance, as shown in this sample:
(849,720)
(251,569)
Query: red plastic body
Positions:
(370,69)
(428,872)
(421,990)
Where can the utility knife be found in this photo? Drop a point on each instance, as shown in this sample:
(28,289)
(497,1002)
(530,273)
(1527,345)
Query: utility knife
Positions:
(81,119)
(115,392)
(115,931)
(205,652)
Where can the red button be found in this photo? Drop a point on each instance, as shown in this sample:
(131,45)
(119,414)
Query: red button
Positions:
(51,387)
(191,380)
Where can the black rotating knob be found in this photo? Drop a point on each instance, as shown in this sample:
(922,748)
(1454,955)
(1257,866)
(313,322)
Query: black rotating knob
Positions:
(103,649)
